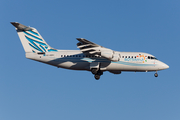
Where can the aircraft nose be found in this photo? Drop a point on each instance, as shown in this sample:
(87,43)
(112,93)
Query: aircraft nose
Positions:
(162,66)
(165,66)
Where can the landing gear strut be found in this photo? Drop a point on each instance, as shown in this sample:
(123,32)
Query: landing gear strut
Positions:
(156,75)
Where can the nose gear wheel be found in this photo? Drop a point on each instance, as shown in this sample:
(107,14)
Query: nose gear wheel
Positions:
(156,75)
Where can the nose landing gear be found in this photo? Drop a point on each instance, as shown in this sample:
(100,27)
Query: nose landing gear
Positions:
(97,77)
(156,75)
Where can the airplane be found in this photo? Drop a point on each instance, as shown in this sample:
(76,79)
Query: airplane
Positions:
(91,56)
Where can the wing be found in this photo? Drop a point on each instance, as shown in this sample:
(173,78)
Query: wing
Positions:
(88,47)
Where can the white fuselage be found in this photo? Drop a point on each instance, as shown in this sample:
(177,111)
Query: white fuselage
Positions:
(91,56)
(76,60)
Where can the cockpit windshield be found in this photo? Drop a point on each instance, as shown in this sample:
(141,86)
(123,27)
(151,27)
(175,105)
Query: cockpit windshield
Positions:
(150,57)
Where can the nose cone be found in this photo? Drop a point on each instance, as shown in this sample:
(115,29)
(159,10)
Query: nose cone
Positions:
(162,66)
(165,66)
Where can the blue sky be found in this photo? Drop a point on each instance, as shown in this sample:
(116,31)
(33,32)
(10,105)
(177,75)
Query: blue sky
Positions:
(32,91)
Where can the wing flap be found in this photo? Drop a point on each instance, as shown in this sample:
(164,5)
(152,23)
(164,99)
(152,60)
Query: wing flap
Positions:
(82,46)
(87,46)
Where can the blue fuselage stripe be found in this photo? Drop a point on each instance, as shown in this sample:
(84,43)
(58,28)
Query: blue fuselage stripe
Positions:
(103,61)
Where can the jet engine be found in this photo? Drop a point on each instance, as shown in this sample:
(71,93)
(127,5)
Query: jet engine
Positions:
(107,54)
(111,55)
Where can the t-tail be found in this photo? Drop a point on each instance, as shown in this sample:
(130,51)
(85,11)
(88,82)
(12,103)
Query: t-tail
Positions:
(31,40)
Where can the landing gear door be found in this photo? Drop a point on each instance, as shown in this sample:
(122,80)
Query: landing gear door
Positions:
(94,65)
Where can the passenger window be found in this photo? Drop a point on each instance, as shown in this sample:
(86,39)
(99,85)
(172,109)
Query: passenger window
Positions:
(132,57)
(135,57)
(126,56)
(149,57)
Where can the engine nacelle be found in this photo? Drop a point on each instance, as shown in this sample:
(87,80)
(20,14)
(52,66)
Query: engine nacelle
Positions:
(115,72)
(111,55)
(107,54)
(115,58)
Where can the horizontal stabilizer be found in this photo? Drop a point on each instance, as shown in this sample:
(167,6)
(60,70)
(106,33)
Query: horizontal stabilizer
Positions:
(20,26)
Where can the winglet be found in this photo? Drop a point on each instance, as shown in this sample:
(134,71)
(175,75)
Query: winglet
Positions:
(20,26)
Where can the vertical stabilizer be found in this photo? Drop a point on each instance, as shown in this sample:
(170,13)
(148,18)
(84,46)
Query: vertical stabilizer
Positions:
(31,40)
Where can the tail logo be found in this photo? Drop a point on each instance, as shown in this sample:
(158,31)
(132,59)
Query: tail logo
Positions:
(36,42)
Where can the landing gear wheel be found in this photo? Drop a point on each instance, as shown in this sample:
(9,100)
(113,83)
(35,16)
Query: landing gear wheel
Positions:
(156,75)
(94,71)
(97,77)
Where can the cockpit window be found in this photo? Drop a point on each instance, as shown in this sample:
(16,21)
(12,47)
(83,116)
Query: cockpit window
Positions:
(153,58)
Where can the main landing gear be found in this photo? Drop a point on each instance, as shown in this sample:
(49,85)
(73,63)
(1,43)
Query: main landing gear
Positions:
(97,73)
